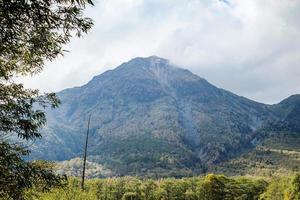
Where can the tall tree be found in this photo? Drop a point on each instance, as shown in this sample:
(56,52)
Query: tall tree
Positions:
(31,32)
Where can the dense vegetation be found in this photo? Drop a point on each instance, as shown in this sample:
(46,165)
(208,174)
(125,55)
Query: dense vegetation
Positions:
(278,154)
(210,187)
(31,33)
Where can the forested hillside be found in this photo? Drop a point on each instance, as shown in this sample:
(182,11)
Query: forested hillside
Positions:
(210,187)
(277,155)
(151,118)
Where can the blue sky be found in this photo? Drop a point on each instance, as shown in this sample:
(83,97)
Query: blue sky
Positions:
(250,47)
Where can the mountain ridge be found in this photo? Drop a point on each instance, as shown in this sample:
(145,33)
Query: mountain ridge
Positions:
(152,117)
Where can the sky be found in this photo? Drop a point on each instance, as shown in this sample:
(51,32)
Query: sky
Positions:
(249,47)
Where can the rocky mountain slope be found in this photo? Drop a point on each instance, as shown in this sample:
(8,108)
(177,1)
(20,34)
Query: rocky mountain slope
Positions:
(152,118)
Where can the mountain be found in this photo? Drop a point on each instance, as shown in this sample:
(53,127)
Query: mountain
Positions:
(278,151)
(289,112)
(152,118)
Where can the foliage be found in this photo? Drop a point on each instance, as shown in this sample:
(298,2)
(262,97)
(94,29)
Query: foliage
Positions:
(31,32)
(16,174)
(294,191)
(131,196)
(34,31)
(210,187)
(280,188)
(277,155)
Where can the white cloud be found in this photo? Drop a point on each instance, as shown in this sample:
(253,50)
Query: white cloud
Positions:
(249,47)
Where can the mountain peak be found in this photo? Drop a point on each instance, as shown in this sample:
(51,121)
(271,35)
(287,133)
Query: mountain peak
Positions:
(158,60)
(149,62)
(158,68)
(152,68)
(153,58)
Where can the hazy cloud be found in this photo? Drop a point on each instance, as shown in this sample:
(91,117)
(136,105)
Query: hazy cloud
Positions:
(249,47)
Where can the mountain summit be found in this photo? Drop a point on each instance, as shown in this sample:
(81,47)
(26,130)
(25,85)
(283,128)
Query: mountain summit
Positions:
(151,117)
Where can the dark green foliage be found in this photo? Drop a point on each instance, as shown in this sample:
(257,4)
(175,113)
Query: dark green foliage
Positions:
(17,175)
(34,31)
(153,158)
(31,32)
(18,116)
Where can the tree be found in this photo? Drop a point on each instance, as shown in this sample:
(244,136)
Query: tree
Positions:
(31,32)
(213,187)
(294,190)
